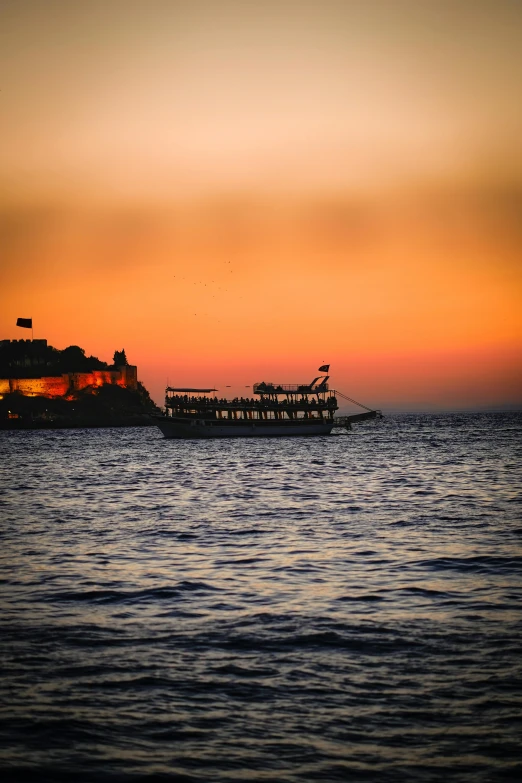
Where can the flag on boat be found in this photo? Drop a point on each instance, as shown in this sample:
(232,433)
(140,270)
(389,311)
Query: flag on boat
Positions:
(324,368)
(27,323)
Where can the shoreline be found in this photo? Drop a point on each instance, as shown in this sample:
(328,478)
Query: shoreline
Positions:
(78,424)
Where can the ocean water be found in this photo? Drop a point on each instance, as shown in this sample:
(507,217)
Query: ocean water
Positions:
(343,608)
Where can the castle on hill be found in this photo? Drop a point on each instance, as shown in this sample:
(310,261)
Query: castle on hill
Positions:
(35,369)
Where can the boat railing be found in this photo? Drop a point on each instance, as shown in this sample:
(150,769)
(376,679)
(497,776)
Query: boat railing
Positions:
(250,405)
(283,388)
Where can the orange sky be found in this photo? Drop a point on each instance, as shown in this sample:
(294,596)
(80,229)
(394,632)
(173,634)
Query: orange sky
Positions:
(237,191)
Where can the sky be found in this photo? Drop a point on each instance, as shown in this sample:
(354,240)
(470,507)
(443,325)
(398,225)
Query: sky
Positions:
(243,191)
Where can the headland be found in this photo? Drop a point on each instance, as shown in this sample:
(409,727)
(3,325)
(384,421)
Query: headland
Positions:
(42,387)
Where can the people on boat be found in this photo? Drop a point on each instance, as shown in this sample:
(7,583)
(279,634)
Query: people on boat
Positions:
(184,404)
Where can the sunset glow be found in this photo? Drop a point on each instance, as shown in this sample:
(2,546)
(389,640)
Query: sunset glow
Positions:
(236,192)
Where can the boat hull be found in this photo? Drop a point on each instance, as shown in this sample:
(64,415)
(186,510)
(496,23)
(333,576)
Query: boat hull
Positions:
(172,427)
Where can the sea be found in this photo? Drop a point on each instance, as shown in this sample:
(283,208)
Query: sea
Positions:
(341,608)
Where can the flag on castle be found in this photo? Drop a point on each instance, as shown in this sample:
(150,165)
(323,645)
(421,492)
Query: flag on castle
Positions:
(27,323)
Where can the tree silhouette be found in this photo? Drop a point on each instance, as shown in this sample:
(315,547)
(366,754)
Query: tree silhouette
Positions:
(120,358)
(72,359)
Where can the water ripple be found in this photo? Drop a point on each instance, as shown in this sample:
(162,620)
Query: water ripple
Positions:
(283,610)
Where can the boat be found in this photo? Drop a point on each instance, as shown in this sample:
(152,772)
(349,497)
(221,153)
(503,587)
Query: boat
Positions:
(277,409)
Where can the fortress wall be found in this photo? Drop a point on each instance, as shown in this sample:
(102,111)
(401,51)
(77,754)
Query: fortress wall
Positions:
(126,375)
(53,386)
(80,380)
(59,385)
(129,374)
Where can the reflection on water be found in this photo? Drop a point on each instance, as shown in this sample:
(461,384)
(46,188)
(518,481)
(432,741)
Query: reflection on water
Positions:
(297,609)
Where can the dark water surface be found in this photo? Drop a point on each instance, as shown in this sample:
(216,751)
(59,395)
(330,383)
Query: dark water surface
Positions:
(343,608)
